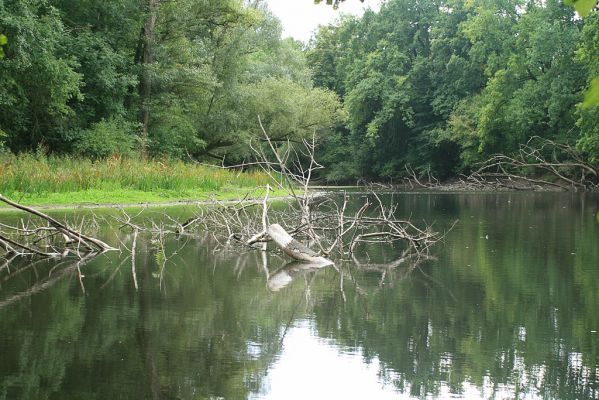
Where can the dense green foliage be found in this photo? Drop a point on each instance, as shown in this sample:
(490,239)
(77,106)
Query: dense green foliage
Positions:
(443,84)
(169,78)
(439,85)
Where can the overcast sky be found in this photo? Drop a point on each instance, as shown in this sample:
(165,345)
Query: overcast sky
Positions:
(301,17)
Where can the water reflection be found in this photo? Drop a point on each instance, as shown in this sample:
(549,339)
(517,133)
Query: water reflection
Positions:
(58,271)
(313,368)
(292,270)
(506,310)
(310,367)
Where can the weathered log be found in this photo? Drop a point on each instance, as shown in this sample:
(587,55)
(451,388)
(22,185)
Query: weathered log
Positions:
(294,248)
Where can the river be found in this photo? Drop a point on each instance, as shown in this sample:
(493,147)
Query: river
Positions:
(507,308)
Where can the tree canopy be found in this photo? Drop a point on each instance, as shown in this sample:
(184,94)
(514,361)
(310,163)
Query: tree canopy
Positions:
(168,79)
(443,84)
(439,85)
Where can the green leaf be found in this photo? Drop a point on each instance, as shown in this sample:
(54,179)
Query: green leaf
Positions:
(591,97)
(3,39)
(583,7)
(597,216)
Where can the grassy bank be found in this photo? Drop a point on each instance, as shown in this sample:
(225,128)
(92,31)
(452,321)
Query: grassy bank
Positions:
(40,180)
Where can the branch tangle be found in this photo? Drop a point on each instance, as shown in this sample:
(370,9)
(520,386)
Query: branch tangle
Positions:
(28,238)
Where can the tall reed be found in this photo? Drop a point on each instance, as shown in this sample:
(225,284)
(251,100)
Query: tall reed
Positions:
(30,174)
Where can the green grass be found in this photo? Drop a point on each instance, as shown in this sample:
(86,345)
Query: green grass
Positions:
(36,180)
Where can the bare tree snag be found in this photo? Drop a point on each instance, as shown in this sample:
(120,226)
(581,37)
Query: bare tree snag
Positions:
(412,180)
(310,217)
(260,235)
(539,164)
(73,241)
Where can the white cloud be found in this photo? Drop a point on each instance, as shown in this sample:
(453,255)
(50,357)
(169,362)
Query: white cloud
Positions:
(301,17)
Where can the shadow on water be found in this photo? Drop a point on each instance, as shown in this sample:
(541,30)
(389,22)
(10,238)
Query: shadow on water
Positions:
(507,308)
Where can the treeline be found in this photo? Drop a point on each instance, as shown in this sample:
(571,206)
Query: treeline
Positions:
(444,84)
(439,85)
(152,77)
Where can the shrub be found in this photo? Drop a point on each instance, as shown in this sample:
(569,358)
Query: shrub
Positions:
(106,138)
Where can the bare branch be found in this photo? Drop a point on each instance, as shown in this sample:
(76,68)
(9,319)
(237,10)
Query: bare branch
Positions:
(89,242)
(310,221)
(538,165)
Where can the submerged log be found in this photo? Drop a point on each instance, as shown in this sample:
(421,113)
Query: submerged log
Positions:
(294,248)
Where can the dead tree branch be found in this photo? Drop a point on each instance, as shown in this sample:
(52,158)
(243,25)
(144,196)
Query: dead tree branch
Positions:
(50,240)
(539,164)
(311,226)
(414,181)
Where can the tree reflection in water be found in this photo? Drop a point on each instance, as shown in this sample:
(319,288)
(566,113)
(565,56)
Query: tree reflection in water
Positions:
(508,309)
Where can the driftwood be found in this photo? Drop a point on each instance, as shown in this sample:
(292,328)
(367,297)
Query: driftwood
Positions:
(412,180)
(539,164)
(27,238)
(294,248)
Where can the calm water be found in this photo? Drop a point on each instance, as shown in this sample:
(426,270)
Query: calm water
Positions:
(509,309)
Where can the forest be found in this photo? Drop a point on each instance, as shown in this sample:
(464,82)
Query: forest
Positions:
(439,85)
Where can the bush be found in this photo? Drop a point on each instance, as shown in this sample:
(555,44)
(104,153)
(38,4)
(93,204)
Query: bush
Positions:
(106,138)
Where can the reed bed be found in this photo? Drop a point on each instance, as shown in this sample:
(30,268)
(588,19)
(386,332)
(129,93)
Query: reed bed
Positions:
(33,176)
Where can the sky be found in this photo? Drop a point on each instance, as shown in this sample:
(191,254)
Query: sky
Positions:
(301,17)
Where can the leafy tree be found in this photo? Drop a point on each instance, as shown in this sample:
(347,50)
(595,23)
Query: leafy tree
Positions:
(587,112)
(443,84)
(3,42)
(106,138)
(583,7)
(437,84)
(39,81)
(81,77)
(334,3)
(535,91)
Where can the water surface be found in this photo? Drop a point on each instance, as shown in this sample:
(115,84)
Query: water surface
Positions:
(509,308)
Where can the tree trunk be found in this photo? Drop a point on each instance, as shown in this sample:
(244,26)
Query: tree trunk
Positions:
(146,81)
(293,248)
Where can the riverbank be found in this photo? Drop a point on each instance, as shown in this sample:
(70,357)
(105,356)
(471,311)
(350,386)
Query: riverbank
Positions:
(66,182)
(132,199)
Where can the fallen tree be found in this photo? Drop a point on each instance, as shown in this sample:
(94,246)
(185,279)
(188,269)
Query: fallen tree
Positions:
(311,227)
(45,236)
(540,164)
(293,248)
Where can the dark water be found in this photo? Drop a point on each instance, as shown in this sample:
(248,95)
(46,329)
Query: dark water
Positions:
(509,309)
